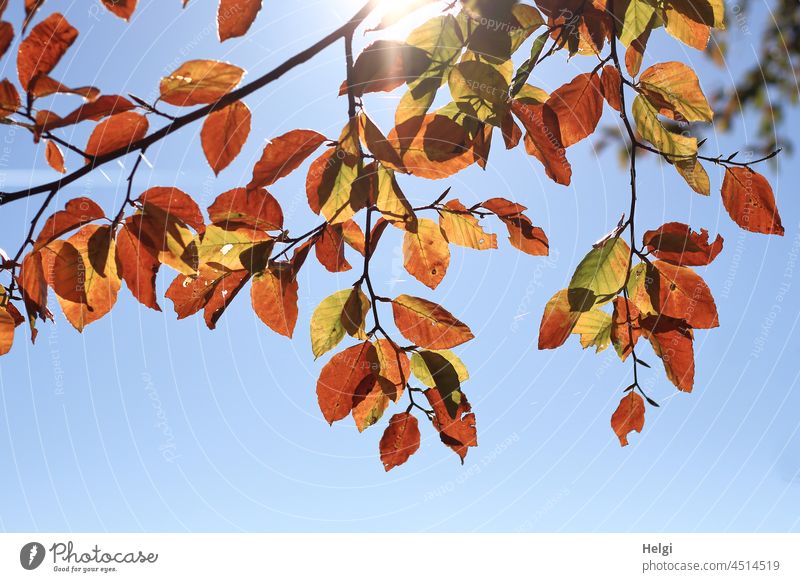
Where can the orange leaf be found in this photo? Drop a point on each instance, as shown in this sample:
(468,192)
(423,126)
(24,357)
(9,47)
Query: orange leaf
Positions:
(749,200)
(395,368)
(427,324)
(456,431)
(240,207)
(628,417)
(578,106)
(224,133)
(543,140)
(678,244)
(224,293)
(426,253)
(33,286)
(103,106)
(400,440)
(330,249)
(76,213)
(235,17)
(680,293)
(55,157)
(176,203)
(199,82)
(137,263)
(95,269)
(117,132)
(283,155)
(340,378)
(41,50)
(611,81)
(672,342)
(64,270)
(274,298)
(624,336)
(122,8)
(9,98)
(558,322)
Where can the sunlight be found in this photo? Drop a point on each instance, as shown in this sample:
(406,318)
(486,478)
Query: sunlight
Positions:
(397,18)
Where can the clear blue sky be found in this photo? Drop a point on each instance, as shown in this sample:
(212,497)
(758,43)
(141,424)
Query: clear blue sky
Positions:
(147,424)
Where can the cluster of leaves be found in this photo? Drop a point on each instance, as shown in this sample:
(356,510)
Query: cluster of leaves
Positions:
(617,295)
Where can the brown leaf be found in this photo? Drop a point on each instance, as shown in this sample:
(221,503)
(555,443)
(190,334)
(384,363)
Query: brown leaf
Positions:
(122,8)
(400,440)
(680,293)
(235,17)
(384,65)
(340,378)
(116,133)
(76,213)
(578,106)
(55,157)
(274,298)
(678,244)
(456,431)
(41,50)
(426,254)
(628,417)
(749,200)
(427,324)
(240,207)
(199,82)
(224,134)
(284,154)
(224,293)
(137,263)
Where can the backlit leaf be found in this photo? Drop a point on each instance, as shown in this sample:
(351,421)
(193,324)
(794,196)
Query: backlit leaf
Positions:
(199,82)
(427,324)
(675,90)
(457,431)
(76,213)
(600,275)
(340,379)
(628,417)
(283,155)
(235,17)
(274,298)
(463,229)
(43,48)
(749,200)
(678,244)
(328,320)
(117,132)
(426,254)
(399,441)
(224,134)
(680,293)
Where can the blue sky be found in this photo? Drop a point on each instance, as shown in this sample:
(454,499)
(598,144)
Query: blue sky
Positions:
(147,424)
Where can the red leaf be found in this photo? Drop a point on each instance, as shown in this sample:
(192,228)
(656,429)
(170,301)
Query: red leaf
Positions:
(117,132)
(340,379)
(235,17)
(283,155)
(103,106)
(400,440)
(6,37)
(678,244)
(41,50)
(749,200)
(224,134)
(628,417)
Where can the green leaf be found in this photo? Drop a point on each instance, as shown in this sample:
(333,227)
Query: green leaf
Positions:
(600,275)
(420,368)
(327,322)
(673,145)
(445,378)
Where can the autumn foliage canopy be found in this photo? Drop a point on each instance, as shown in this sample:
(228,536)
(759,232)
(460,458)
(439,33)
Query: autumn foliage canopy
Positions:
(632,288)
